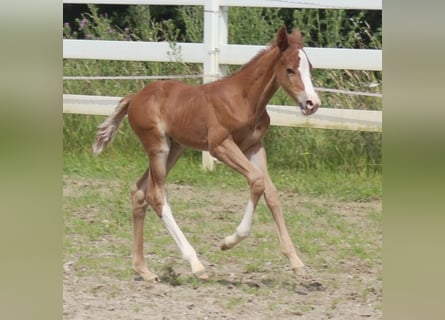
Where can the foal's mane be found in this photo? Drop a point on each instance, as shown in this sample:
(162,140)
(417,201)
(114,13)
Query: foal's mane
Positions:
(250,62)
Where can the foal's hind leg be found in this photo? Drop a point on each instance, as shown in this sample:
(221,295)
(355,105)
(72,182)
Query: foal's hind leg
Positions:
(158,200)
(163,154)
(139,207)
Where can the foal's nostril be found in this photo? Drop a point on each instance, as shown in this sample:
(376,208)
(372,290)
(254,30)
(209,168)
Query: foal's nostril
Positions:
(309,103)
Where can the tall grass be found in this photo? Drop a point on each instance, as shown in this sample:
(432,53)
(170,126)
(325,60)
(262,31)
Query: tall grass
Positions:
(293,149)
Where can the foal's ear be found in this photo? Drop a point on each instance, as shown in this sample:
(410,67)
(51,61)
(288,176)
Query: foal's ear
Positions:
(282,40)
(297,33)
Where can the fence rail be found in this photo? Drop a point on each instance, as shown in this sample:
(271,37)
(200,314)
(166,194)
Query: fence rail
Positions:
(321,58)
(215,53)
(326,118)
(310,4)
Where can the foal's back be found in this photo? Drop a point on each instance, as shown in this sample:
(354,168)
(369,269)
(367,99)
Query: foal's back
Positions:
(174,109)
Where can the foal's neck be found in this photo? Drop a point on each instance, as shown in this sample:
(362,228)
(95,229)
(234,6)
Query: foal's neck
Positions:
(258,80)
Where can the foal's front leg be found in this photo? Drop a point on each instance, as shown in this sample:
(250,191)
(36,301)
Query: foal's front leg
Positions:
(229,153)
(273,202)
(243,229)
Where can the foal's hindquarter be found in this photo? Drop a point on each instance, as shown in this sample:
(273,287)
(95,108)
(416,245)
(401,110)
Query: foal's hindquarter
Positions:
(222,118)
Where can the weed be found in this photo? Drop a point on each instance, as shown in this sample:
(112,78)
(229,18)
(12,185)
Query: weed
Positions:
(251,268)
(171,277)
(232,302)
(334,303)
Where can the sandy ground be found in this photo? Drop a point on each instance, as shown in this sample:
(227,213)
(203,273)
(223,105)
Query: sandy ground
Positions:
(354,291)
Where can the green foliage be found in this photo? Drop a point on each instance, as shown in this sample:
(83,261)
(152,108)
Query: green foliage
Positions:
(289,149)
(192,17)
(253,25)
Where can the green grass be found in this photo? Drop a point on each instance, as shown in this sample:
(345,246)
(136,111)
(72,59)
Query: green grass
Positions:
(127,168)
(95,214)
(100,210)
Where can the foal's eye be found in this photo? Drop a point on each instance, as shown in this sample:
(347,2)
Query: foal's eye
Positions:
(290,71)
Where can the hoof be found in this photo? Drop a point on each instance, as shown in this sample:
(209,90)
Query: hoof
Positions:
(151,278)
(223,246)
(201,275)
(300,271)
(148,276)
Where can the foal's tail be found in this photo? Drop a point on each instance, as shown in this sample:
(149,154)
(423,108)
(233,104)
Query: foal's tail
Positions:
(108,129)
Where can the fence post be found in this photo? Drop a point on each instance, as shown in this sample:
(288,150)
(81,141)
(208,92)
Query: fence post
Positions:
(215,34)
(223,35)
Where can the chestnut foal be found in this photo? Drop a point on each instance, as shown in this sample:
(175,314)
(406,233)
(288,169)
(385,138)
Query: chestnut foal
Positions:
(228,118)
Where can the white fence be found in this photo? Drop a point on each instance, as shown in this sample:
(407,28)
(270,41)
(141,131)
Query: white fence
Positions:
(215,52)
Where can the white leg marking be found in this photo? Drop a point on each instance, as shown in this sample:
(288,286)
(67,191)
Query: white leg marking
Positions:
(243,230)
(245,226)
(257,161)
(188,253)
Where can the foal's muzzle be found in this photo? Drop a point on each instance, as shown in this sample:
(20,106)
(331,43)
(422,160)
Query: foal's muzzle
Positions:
(309,106)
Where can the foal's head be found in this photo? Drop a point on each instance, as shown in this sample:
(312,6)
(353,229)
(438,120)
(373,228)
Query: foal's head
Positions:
(293,71)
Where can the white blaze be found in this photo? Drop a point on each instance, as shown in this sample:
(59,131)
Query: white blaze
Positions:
(305,74)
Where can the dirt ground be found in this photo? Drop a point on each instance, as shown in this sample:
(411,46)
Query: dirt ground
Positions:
(354,291)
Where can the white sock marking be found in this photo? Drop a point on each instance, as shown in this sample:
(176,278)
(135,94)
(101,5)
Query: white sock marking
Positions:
(188,253)
(245,226)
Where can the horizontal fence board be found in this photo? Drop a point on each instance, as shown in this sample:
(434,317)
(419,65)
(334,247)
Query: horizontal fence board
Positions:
(324,118)
(138,2)
(321,58)
(92,105)
(353,59)
(314,4)
(132,50)
(324,58)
